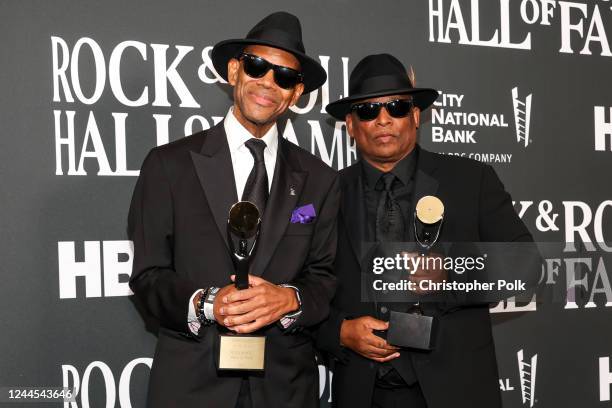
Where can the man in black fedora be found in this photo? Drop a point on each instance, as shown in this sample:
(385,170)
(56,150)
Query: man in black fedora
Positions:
(379,196)
(178,220)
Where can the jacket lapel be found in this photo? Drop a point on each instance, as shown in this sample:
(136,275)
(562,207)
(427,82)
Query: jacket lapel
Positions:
(287,184)
(213,160)
(353,209)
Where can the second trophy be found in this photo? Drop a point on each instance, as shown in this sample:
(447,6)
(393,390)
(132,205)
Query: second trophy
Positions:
(240,351)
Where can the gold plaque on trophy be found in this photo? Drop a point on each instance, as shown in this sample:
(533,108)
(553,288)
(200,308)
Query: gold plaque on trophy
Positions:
(238,352)
(429,210)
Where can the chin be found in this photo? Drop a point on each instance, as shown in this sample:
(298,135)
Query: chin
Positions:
(260,119)
(386,151)
(386,157)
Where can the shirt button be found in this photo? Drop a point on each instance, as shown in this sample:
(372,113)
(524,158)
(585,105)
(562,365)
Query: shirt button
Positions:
(383,309)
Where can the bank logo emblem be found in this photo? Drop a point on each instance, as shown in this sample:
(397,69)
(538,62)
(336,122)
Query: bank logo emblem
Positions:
(522,116)
(527,375)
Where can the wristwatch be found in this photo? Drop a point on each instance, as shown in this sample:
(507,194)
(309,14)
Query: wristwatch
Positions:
(206,302)
(287,320)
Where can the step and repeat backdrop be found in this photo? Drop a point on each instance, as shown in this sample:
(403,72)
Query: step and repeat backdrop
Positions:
(88,88)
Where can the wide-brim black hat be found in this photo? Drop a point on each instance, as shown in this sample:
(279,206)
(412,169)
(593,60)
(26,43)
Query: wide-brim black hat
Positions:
(279,30)
(380,75)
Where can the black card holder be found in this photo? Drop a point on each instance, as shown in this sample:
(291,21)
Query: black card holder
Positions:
(412,330)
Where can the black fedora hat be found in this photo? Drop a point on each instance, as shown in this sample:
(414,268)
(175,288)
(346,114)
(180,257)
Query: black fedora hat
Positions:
(279,30)
(380,75)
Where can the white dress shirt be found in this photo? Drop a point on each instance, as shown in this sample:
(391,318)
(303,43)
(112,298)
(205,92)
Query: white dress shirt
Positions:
(242,159)
(242,164)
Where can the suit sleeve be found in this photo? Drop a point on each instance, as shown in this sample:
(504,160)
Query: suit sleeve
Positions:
(317,282)
(498,221)
(157,286)
(328,335)
(510,250)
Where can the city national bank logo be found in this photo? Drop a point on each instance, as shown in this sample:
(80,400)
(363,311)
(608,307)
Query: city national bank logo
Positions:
(451,124)
(454,123)
(527,375)
(522,115)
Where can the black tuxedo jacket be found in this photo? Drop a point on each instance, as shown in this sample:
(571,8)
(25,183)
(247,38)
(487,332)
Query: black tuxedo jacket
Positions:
(177,221)
(461,371)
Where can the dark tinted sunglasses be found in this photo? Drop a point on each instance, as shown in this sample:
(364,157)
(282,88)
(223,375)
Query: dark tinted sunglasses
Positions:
(397,108)
(257,67)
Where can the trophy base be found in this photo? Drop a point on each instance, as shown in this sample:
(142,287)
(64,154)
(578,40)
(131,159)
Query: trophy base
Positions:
(412,330)
(241,352)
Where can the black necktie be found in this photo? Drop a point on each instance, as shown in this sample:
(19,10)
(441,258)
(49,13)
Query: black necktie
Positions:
(256,188)
(390,228)
(389,219)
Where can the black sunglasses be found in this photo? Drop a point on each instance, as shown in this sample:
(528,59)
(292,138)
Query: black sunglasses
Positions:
(257,67)
(397,108)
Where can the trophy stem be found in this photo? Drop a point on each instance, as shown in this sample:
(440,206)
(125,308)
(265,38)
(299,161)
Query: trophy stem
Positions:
(242,266)
(243,226)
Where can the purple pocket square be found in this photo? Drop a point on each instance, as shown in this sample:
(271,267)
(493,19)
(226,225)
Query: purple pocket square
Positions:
(303,215)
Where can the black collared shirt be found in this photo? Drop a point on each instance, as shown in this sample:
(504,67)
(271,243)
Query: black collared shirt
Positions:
(402,189)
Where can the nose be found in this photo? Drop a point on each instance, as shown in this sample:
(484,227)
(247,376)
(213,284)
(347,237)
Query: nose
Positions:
(267,80)
(383,118)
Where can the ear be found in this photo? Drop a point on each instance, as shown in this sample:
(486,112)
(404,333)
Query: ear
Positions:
(416,116)
(349,124)
(297,92)
(233,66)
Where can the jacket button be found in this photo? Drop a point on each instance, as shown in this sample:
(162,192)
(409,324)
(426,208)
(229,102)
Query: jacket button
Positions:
(383,309)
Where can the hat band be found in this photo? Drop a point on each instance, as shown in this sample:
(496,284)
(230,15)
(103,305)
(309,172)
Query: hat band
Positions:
(381,83)
(279,37)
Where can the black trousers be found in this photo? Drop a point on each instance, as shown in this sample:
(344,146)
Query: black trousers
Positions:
(410,396)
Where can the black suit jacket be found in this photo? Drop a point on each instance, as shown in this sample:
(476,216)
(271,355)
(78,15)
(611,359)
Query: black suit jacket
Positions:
(177,221)
(461,371)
